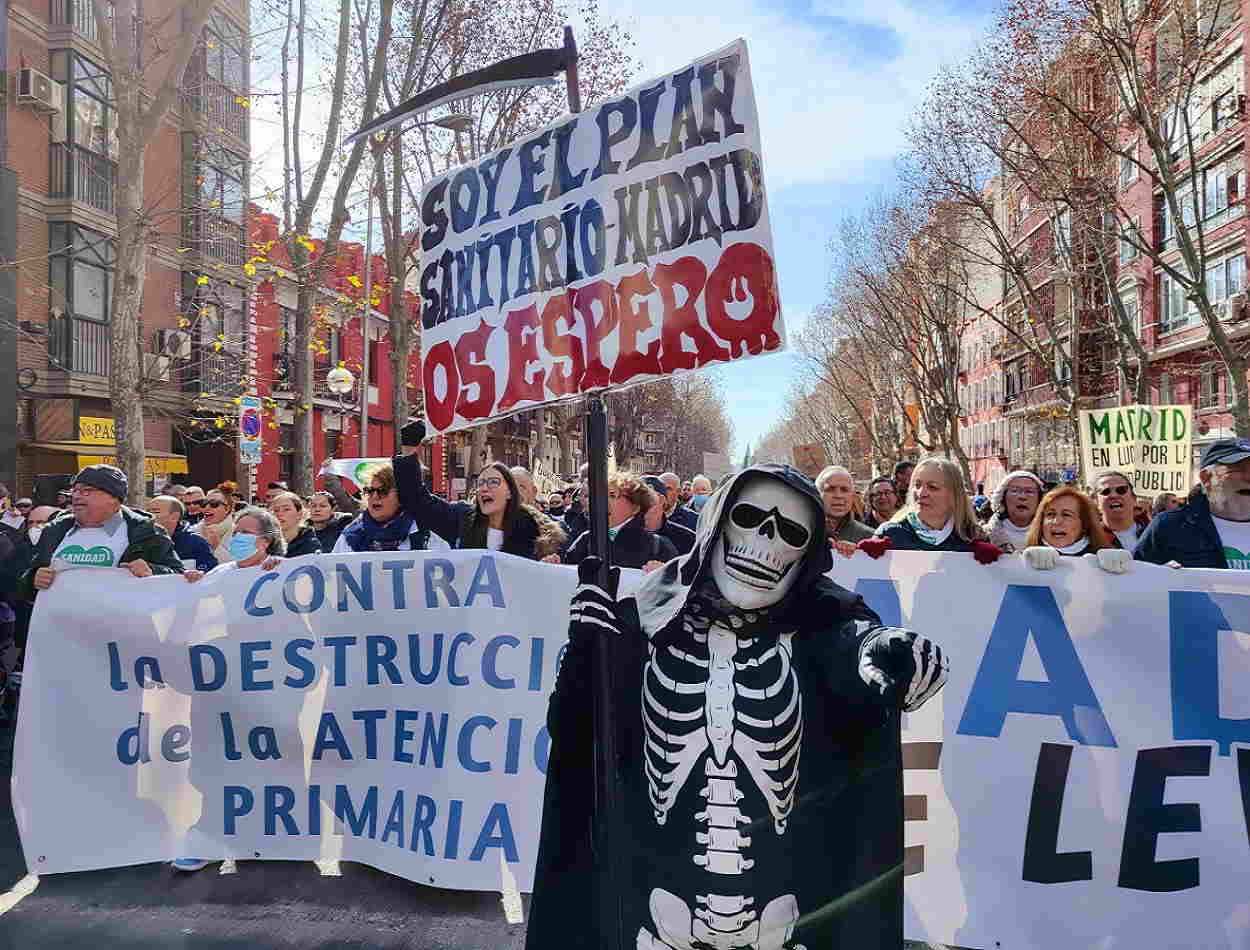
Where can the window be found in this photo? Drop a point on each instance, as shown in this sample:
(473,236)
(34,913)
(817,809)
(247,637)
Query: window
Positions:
(1128,249)
(1209,387)
(223,53)
(1063,366)
(90,118)
(216,315)
(375,365)
(326,347)
(81,271)
(1128,167)
(332,444)
(1223,186)
(1173,312)
(1225,277)
(286,450)
(1061,229)
(220,182)
(1132,306)
(1165,390)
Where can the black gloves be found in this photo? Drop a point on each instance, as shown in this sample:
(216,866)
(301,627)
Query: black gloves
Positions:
(903,666)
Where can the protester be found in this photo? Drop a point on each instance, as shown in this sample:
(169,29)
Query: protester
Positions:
(299,535)
(1164,501)
(674,509)
(576,514)
(218,523)
(230,491)
(1117,503)
(193,499)
(168,512)
(882,501)
(631,544)
(1067,525)
(701,490)
(687,492)
(273,490)
(326,522)
(555,505)
(101,531)
(384,525)
(62,498)
(937,516)
(979,500)
(837,493)
(256,541)
(903,470)
(525,485)
(343,500)
(1212,529)
(660,521)
(1014,503)
(15,516)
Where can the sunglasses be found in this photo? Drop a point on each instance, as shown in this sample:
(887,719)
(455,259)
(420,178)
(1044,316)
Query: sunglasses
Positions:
(748,516)
(380,492)
(213,504)
(23,507)
(1119,490)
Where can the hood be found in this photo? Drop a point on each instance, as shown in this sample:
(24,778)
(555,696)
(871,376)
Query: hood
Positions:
(663,593)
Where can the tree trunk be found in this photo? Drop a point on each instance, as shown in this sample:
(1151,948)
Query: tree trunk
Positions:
(302,385)
(125,330)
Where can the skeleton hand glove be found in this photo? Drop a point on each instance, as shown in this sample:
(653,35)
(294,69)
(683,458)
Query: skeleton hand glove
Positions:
(592,610)
(875,547)
(903,666)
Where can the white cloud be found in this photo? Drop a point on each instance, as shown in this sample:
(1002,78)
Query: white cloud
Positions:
(829,111)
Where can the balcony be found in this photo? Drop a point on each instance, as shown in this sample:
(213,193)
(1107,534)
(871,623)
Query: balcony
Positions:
(78,345)
(217,105)
(81,175)
(77,14)
(214,374)
(215,237)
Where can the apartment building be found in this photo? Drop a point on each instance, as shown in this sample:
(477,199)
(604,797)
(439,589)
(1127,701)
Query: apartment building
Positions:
(62,148)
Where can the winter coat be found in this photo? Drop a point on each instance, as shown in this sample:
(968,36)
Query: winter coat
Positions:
(903,537)
(305,542)
(456,522)
(851,530)
(633,546)
(1186,535)
(574,522)
(146,541)
(844,829)
(191,547)
(328,535)
(684,517)
(681,536)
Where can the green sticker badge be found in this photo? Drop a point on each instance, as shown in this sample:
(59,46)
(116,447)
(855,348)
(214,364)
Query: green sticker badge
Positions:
(98,556)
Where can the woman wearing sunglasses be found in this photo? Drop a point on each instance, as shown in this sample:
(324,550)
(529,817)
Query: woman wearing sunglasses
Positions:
(496,519)
(1116,500)
(384,525)
(937,517)
(217,525)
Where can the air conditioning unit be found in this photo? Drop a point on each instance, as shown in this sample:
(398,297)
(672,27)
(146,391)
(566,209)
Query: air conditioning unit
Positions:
(156,367)
(39,90)
(1236,308)
(175,344)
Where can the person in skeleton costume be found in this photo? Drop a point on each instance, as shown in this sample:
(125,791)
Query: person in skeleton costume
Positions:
(757,709)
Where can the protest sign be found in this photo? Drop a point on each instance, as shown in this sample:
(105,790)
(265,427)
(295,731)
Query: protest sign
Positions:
(1154,443)
(1081,781)
(621,244)
(352,469)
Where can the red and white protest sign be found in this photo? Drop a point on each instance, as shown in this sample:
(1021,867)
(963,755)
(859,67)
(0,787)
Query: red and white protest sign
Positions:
(622,244)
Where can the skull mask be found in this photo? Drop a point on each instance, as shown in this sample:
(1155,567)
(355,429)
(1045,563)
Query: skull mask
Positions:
(764,536)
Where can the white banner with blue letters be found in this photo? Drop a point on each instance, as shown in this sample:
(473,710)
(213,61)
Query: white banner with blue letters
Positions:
(1083,780)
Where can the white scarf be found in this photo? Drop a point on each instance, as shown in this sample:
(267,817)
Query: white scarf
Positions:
(930,536)
(1076,547)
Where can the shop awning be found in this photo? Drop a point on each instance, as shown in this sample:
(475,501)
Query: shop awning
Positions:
(155,463)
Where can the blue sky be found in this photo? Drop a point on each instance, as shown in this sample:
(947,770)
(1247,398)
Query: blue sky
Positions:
(835,81)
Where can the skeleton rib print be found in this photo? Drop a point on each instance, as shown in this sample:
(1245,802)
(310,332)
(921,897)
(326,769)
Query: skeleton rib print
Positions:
(729,696)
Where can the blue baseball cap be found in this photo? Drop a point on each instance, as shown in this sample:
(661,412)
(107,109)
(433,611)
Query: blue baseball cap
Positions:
(1225,452)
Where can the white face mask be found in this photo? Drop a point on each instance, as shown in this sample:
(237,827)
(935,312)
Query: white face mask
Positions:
(33,532)
(765,534)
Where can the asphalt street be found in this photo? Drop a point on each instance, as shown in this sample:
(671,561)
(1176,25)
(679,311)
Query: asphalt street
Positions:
(264,904)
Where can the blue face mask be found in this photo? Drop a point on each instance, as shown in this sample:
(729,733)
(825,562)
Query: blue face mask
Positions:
(242,546)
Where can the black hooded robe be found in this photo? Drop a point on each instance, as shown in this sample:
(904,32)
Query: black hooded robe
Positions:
(840,854)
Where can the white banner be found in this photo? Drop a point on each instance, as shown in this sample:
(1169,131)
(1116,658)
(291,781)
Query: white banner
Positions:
(621,244)
(1083,780)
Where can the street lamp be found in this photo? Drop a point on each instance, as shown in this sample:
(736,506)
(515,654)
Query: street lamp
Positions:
(340,381)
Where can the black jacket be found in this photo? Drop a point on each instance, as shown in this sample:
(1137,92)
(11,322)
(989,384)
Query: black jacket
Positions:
(903,537)
(845,828)
(633,546)
(192,547)
(681,537)
(328,535)
(306,542)
(574,522)
(453,521)
(1186,535)
(684,517)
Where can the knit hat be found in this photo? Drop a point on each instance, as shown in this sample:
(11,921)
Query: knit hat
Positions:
(1000,492)
(107,478)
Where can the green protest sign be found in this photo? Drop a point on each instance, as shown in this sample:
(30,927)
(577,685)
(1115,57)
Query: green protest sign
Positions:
(1153,443)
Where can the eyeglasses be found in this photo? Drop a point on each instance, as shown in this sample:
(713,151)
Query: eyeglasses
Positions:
(212,503)
(491,481)
(748,516)
(21,507)
(1022,490)
(380,492)
(1119,490)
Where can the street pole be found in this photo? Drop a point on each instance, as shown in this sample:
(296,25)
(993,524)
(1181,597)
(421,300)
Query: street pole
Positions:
(609,836)
(364,317)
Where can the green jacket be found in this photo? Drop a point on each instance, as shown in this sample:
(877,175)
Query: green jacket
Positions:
(147,541)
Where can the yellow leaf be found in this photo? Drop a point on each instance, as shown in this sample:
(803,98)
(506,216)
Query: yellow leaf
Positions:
(353,280)
(202,280)
(249,269)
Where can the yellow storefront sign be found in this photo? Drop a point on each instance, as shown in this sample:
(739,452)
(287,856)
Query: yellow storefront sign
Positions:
(95,430)
(152,467)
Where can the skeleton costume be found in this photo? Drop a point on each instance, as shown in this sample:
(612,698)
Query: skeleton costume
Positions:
(759,761)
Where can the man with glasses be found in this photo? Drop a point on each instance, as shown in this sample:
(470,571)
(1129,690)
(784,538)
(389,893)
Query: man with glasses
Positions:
(1212,529)
(100,531)
(882,501)
(1113,492)
(193,499)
